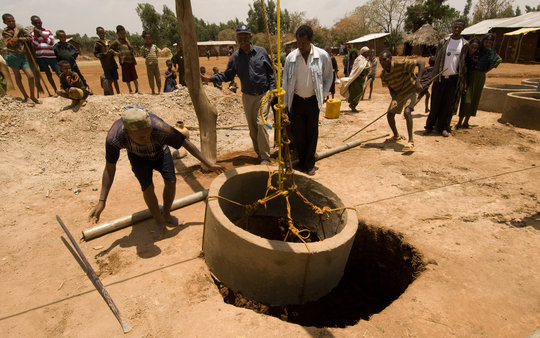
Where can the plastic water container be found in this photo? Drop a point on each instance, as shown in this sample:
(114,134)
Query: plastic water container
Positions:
(333,107)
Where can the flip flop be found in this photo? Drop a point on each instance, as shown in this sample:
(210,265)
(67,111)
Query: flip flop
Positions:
(393,139)
(409,147)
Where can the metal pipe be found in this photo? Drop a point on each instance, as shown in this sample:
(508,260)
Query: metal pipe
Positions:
(142,215)
(126,221)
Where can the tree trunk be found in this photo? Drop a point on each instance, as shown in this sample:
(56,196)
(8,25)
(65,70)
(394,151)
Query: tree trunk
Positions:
(206,112)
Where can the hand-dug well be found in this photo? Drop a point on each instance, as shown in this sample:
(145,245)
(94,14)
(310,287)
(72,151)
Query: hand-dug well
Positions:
(269,271)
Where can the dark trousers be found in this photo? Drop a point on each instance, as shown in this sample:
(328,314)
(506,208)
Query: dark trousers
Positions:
(443,98)
(304,117)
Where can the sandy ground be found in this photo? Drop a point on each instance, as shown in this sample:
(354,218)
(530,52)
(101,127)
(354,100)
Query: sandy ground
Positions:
(468,204)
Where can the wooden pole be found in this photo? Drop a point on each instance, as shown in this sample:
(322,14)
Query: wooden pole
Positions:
(206,112)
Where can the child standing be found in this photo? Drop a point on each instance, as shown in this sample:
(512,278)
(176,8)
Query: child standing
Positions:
(43,41)
(217,84)
(126,57)
(71,85)
(15,38)
(150,53)
(66,51)
(170,78)
(106,55)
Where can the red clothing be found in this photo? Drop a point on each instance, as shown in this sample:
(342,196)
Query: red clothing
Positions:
(44,44)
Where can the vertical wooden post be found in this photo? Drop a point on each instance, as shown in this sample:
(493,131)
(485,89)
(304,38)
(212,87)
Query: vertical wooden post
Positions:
(206,112)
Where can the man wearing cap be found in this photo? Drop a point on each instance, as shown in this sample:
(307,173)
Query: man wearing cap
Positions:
(307,77)
(254,68)
(146,138)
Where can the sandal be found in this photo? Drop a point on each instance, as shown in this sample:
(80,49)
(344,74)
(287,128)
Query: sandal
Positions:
(35,100)
(393,139)
(409,147)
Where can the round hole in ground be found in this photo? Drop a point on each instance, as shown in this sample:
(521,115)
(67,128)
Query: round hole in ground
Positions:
(380,268)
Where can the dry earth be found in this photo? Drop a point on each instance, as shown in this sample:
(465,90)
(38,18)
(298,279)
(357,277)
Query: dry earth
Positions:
(468,204)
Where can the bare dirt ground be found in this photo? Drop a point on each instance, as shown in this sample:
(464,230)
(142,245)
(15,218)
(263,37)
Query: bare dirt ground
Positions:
(468,204)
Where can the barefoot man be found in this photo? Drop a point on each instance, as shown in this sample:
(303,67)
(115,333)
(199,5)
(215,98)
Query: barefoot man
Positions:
(146,138)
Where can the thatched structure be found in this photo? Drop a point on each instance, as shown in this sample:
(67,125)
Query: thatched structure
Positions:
(422,42)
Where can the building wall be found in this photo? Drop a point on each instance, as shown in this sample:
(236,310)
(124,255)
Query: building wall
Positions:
(508,46)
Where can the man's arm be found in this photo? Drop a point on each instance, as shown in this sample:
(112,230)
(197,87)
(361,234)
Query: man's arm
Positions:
(106,183)
(327,74)
(190,147)
(225,76)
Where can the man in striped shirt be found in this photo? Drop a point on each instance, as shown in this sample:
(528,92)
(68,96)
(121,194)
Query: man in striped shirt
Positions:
(43,41)
(403,85)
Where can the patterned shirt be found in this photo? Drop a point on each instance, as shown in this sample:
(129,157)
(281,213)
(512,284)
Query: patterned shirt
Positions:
(13,45)
(162,135)
(73,80)
(101,51)
(65,51)
(150,54)
(126,51)
(401,77)
(44,44)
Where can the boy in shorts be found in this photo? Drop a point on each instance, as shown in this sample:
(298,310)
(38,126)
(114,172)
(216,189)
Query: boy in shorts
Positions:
(106,55)
(15,38)
(126,57)
(43,41)
(71,85)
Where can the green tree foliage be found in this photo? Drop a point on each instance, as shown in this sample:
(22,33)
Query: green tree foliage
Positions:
(388,16)
(532,9)
(518,11)
(433,12)
(467,11)
(289,21)
(227,34)
(151,21)
(490,9)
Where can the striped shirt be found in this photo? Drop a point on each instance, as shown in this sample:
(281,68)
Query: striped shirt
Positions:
(150,54)
(401,77)
(43,43)
(125,51)
(162,135)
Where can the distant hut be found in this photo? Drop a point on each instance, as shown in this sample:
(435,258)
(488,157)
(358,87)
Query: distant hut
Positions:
(422,42)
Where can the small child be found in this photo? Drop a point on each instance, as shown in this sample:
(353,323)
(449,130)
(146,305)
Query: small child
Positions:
(71,85)
(15,38)
(126,57)
(170,78)
(425,81)
(65,51)
(203,73)
(217,84)
(150,53)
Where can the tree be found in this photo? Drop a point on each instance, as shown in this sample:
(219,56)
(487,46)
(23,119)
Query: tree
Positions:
(151,21)
(168,27)
(289,21)
(490,9)
(388,16)
(467,11)
(518,11)
(532,9)
(349,28)
(227,35)
(433,12)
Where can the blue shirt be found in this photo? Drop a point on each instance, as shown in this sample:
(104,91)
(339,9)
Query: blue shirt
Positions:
(254,70)
(162,135)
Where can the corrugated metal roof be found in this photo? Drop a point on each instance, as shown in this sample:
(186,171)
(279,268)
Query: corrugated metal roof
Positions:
(215,43)
(523,31)
(368,37)
(531,19)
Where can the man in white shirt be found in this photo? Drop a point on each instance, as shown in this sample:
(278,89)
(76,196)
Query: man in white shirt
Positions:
(445,93)
(307,77)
